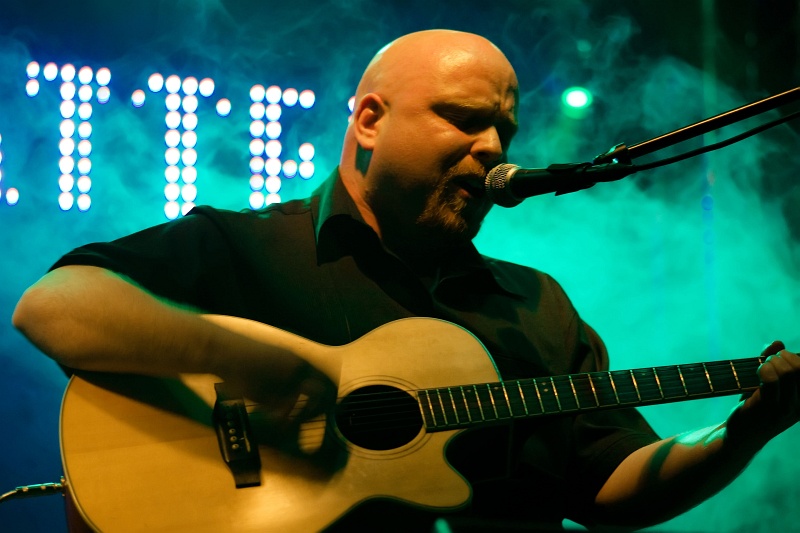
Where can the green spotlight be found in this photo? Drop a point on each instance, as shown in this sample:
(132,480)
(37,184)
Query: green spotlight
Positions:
(576,101)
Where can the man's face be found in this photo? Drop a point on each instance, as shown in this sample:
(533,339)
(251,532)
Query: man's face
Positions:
(445,126)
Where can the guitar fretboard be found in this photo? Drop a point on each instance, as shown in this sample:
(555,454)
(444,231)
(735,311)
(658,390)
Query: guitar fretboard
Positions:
(471,405)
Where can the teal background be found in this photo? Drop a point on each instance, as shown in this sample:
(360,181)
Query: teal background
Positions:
(692,262)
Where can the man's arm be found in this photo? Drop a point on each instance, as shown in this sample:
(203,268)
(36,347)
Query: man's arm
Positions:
(89,318)
(669,477)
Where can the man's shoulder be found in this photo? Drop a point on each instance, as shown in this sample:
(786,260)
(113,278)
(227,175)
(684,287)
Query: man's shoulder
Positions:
(522,279)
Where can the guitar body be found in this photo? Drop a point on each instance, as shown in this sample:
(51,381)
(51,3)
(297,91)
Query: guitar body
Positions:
(141,454)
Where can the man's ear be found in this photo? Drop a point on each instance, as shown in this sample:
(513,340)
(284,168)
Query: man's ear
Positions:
(366,120)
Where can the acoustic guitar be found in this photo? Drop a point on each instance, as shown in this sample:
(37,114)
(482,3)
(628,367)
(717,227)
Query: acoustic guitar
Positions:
(154,454)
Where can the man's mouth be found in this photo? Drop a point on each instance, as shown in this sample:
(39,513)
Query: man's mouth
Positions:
(473,186)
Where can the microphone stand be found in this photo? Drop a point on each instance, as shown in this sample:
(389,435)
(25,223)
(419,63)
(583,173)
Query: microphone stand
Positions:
(624,155)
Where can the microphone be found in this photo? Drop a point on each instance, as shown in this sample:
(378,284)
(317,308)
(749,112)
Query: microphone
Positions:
(508,185)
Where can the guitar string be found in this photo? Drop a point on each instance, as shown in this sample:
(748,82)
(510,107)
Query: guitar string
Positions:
(368,410)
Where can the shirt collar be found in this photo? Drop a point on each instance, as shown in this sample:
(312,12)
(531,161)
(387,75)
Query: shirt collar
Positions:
(336,208)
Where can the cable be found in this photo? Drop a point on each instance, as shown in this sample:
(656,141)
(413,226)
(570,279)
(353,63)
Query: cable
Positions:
(33,491)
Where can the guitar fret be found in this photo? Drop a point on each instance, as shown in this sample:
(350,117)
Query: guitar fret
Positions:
(594,391)
(453,402)
(491,397)
(635,386)
(572,385)
(441,404)
(613,386)
(735,375)
(522,395)
(508,403)
(683,381)
(538,395)
(708,378)
(480,405)
(658,383)
(555,392)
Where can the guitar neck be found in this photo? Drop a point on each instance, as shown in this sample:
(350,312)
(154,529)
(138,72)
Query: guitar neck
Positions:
(466,406)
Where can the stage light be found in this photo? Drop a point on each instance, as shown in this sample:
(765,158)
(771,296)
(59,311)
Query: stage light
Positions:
(173,120)
(66,146)
(155,82)
(172,173)
(66,164)
(67,108)
(257,110)
(290,168)
(256,147)
(85,148)
(189,103)
(189,174)
(306,170)
(307,99)
(272,199)
(66,201)
(189,157)
(66,182)
(576,102)
(290,97)
(273,112)
(189,193)
(172,191)
(257,128)
(85,93)
(257,93)
(185,208)
(272,167)
(273,149)
(256,200)
(172,84)
(67,128)
(172,210)
(104,94)
(85,111)
(272,184)
(189,139)
(172,102)
(32,70)
(256,165)
(206,87)
(103,77)
(67,73)
(351,103)
(189,121)
(137,98)
(306,151)
(85,75)
(12,196)
(32,88)
(273,130)
(84,184)
(84,167)
(224,107)
(256,182)
(172,156)
(84,202)
(273,94)
(50,71)
(85,130)
(172,138)
(189,86)
(67,90)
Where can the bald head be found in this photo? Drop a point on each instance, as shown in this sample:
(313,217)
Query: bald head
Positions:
(435,110)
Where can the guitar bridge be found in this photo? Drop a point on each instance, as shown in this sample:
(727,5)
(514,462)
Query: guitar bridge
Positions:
(236,440)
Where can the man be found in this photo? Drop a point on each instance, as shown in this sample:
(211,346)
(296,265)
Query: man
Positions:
(389,236)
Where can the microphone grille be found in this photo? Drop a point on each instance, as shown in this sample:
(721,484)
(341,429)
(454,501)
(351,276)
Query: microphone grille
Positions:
(497,185)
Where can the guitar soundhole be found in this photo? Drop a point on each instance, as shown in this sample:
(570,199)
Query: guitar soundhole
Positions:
(379,417)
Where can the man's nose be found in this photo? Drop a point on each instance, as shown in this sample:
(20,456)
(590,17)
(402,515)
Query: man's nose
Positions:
(487,147)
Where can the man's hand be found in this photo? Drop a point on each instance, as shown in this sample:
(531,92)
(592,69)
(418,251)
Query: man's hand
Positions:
(775,405)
